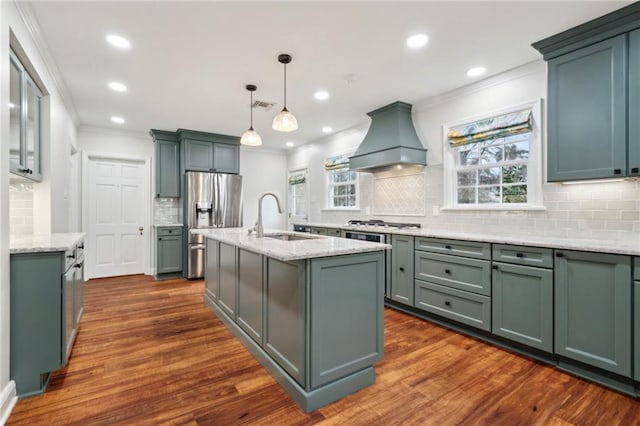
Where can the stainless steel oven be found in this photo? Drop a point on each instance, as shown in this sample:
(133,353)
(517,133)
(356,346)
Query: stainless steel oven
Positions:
(375,238)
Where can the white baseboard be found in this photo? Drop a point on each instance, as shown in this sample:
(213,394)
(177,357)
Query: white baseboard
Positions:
(8,400)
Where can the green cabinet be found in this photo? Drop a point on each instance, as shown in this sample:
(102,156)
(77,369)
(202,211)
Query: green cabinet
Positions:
(634,103)
(593,309)
(209,152)
(169,250)
(522,304)
(167,163)
(318,231)
(636,319)
(285,331)
(212,270)
(587,112)
(250,294)
(228,286)
(402,286)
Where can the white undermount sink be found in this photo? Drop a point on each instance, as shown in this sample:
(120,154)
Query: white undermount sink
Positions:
(290,237)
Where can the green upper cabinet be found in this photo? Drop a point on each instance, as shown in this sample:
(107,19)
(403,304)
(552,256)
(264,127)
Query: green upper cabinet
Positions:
(209,152)
(587,113)
(167,151)
(594,98)
(593,309)
(634,103)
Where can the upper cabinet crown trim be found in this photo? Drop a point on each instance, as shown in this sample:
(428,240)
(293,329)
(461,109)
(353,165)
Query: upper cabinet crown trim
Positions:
(207,137)
(610,25)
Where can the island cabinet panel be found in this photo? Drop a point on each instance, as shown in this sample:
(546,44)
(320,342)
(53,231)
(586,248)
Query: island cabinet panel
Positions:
(228,284)
(346,302)
(212,270)
(636,323)
(587,102)
(250,294)
(402,287)
(522,303)
(285,333)
(593,309)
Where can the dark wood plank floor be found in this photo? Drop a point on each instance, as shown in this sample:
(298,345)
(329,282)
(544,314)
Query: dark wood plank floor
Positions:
(150,352)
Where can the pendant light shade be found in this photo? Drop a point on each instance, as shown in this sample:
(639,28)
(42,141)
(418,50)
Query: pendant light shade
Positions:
(285,121)
(250,137)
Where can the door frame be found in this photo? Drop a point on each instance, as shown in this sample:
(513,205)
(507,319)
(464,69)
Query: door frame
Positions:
(146,202)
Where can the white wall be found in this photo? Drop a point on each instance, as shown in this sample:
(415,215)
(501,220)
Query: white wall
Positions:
(609,211)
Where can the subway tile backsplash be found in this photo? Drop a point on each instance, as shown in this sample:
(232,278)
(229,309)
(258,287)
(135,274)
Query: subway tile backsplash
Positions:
(21,208)
(167,211)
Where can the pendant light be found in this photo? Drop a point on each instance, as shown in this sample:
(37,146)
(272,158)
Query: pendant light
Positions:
(251,137)
(285,121)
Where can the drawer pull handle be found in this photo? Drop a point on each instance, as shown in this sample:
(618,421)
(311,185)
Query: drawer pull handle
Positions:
(519,255)
(447,303)
(559,254)
(635,170)
(448,247)
(401,269)
(617,171)
(495,266)
(447,271)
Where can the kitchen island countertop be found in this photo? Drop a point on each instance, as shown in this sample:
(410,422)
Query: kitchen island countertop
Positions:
(286,251)
(44,243)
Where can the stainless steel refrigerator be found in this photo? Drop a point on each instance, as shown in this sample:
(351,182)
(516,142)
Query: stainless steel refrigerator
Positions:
(213,200)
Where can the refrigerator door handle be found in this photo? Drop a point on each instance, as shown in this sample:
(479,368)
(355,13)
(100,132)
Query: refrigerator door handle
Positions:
(196,247)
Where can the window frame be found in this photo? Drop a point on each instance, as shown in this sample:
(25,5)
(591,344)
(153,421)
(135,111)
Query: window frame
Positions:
(329,185)
(292,204)
(534,164)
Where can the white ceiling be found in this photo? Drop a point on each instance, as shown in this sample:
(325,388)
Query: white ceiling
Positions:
(190,61)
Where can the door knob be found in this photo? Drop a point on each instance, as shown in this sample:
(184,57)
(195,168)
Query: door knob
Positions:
(141,229)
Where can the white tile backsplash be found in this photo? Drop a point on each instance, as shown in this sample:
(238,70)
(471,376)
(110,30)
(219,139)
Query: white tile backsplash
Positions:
(167,211)
(21,208)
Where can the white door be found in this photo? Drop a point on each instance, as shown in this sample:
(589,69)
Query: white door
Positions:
(117,216)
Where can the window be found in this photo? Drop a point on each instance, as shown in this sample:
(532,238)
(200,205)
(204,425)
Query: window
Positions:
(494,162)
(25,111)
(298,194)
(342,183)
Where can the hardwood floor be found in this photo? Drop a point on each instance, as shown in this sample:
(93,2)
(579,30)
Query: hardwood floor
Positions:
(150,352)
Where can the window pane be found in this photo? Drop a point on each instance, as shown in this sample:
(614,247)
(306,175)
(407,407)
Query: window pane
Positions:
(514,174)
(466,196)
(491,154)
(351,189)
(351,200)
(489,195)
(516,151)
(489,176)
(468,157)
(15,109)
(467,178)
(514,194)
(352,176)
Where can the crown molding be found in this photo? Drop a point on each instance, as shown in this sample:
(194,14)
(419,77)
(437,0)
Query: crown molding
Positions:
(28,17)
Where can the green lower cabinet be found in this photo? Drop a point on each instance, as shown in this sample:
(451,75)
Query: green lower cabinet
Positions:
(250,294)
(593,309)
(228,285)
(319,231)
(522,305)
(636,368)
(402,269)
(334,232)
(169,250)
(285,332)
(212,270)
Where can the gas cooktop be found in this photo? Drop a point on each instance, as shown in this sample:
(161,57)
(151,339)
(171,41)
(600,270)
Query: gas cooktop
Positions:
(381,224)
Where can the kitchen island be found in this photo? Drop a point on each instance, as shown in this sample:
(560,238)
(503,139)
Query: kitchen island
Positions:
(309,308)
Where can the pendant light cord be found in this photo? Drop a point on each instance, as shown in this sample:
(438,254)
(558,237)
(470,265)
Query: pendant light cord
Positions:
(285,86)
(251,109)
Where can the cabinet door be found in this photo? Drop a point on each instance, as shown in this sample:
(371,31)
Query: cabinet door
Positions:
(226,158)
(587,113)
(228,286)
(212,269)
(78,290)
(402,269)
(167,169)
(169,254)
(284,338)
(593,309)
(198,155)
(636,314)
(250,294)
(634,103)
(318,231)
(522,305)
(68,296)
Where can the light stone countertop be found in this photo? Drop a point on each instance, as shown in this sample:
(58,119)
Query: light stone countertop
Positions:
(631,248)
(166,225)
(319,246)
(44,243)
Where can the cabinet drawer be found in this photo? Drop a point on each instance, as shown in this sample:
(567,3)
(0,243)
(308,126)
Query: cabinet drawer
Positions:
(454,271)
(462,306)
(334,232)
(318,231)
(636,269)
(521,255)
(459,248)
(165,231)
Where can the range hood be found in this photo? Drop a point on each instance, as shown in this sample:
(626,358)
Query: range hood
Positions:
(391,140)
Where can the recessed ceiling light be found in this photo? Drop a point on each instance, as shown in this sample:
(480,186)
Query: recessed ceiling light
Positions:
(476,71)
(327,129)
(118,41)
(321,95)
(417,40)
(289,144)
(117,120)
(117,87)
